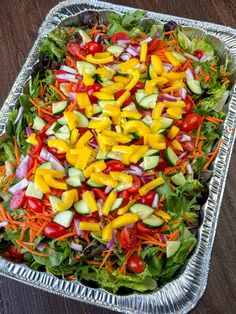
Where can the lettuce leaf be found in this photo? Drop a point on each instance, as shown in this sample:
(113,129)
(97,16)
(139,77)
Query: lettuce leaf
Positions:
(200,44)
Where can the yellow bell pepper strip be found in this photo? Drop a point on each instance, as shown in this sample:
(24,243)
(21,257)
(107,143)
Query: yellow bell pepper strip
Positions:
(123,98)
(157,64)
(122,177)
(131,115)
(103,147)
(121,79)
(90,201)
(149,86)
(83,140)
(55,173)
(103,96)
(139,152)
(72,119)
(137,127)
(165,216)
(177,145)
(83,158)
(68,199)
(169,104)
(155,141)
(135,77)
(125,209)
(172,59)
(150,186)
(122,149)
(106,140)
(99,60)
(87,79)
(60,145)
(175,113)
(143,52)
(117,136)
(130,64)
(71,159)
(113,88)
(111,110)
(123,220)
(176,85)
(89,226)
(74,136)
(126,159)
(161,81)
(109,202)
(157,112)
(49,179)
(173,132)
(103,178)
(32,139)
(89,111)
(96,166)
(102,54)
(100,124)
(173,76)
(83,100)
(39,180)
(107,232)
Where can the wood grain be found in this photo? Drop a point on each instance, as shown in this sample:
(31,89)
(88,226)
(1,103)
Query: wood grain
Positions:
(20,20)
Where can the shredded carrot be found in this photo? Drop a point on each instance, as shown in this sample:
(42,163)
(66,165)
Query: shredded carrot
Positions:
(40,230)
(3,212)
(70,62)
(93,262)
(174,235)
(187,218)
(70,31)
(31,251)
(81,56)
(213,155)
(71,277)
(69,87)
(68,235)
(40,108)
(198,133)
(213,119)
(105,258)
(57,90)
(17,154)
(168,33)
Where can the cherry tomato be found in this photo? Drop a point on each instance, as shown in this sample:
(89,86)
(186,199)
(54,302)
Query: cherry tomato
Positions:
(188,146)
(82,189)
(61,72)
(35,204)
(56,192)
(139,85)
(148,198)
(128,238)
(48,118)
(145,230)
(93,89)
(15,254)
(119,36)
(153,45)
(99,194)
(128,100)
(138,142)
(74,49)
(191,122)
(30,163)
(53,230)
(189,106)
(136,185)
(42,133)
(93,47)
(17,200)
(125,195)
(135,264)
(114,165)
(35,150)
(198,53)
(60,156)
(162,164)
(91,218)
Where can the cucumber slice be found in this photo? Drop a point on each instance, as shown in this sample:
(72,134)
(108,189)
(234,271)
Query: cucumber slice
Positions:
(152,152)
(195,87)
(38,124)
(148,102)
(123,186)
(76,172)
(178,179)
(113,155)
(165,122)
(85,67)
(147,120)
(115,50)
(54,201)
(172,247)
(179,57)
(64,218)
(74,181)
(81,207)
(162,131)
(85,36)
(83,121)
(153,221)
(62,121)
(94,184)
(151,72)
(130,107)
(59,107)
(170,156)
(34,191)
(97,109)
(51,131)
(63,136)
(117,203)
(102,103)
(46,165)
(64,130)
(140,94)
(150,162)
(101,155)
(143,211)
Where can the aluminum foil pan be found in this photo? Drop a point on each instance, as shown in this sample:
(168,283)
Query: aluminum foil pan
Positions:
(181,294)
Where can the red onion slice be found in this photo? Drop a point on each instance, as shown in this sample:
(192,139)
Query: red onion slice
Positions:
(72,96)
(8,167)
(56,165)
(110,244)
(19,186)
(29,131)
(19,116)
(163,238)
(155,201)
(146,179)
(108,189)
(183,92)
(183,155)
(146,40)
(77,228)
(167,67)
(3,223)
(68,69)
(67,77)
(131,51)
(188,55)
(137,170)
(42,246)
(196,71)
(189,75)
(125,56)
(205,58)
(76,246)
(168,97)
(22,169)
(123,42)
(189,168)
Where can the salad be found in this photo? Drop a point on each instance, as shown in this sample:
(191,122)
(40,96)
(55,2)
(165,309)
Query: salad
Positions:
(109,152)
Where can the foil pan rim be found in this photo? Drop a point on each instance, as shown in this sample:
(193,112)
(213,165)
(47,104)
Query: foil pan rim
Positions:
(181,294)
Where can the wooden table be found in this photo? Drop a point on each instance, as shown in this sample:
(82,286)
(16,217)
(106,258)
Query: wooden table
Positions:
(20,20)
